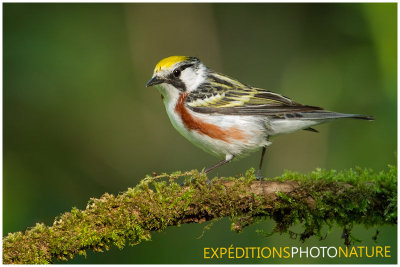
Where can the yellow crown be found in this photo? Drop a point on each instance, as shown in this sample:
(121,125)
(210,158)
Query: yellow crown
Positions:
(168,62)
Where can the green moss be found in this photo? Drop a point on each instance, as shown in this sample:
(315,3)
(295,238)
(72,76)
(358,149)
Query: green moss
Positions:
(320,199)
(355,196)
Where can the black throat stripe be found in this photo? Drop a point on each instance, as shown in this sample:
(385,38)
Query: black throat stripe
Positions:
(177,83)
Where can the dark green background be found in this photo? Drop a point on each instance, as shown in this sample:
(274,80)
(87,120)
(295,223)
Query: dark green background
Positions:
(78,120)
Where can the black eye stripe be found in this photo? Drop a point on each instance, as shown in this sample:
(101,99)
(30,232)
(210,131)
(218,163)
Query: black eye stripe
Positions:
(181,68)
(175,80)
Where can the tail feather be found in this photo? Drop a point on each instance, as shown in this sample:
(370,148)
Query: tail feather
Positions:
(326,115)
(362,117)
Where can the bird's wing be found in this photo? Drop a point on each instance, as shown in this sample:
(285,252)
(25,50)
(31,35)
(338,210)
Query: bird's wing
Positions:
(223,95)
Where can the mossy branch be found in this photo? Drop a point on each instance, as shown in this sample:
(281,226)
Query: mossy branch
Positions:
(355,196)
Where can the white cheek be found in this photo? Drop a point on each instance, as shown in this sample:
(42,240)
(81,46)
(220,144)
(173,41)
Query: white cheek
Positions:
(192,79)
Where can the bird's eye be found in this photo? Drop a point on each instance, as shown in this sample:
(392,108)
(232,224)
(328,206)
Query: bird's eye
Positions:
(177,73)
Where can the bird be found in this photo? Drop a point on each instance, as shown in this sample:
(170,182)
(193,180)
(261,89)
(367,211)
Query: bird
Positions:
(225,117)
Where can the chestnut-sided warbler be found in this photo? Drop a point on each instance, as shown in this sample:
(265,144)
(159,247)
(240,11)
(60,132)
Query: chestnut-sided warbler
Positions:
(225,117)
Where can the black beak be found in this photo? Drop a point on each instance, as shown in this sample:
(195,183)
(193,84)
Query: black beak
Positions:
(153,81)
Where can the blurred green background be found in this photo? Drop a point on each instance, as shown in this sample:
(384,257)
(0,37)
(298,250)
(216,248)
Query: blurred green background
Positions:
(79,121)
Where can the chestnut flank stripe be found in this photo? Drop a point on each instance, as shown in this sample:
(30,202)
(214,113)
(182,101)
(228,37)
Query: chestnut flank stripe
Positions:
(213,131)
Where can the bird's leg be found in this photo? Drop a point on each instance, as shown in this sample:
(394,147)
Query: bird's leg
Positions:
(259,172)
(226,160)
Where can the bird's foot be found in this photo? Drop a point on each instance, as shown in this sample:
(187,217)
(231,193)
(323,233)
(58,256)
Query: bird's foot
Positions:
(208,182)
(259,175)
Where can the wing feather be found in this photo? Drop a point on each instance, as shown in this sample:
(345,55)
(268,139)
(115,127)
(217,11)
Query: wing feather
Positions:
(223,95)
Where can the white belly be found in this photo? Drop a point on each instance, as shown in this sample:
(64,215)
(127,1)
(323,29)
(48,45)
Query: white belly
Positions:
(290,126)
(252,130)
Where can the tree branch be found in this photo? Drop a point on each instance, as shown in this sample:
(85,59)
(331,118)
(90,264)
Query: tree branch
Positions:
(316,199)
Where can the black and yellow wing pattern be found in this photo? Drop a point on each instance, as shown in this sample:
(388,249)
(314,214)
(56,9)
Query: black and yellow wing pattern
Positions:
(223,95)
(226,96)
